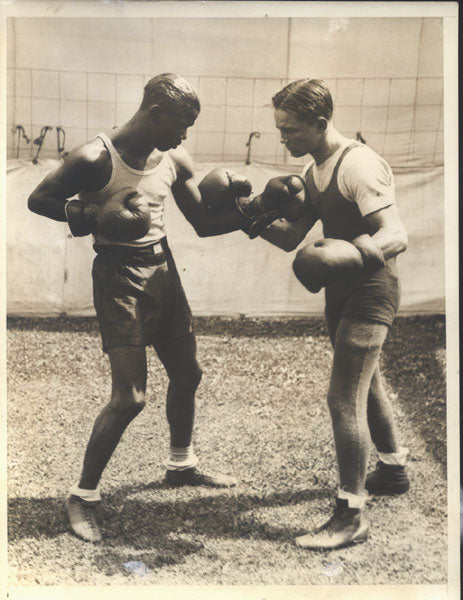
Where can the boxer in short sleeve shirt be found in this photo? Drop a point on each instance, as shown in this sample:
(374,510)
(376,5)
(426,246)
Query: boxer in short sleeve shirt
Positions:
(351,190)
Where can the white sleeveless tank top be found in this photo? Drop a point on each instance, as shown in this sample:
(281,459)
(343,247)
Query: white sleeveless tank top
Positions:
(155,184)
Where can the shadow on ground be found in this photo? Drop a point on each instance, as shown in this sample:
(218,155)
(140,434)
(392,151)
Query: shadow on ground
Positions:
(411,364)
(230,326)
(158,532)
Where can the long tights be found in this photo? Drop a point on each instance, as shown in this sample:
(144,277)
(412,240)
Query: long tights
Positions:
(358,404)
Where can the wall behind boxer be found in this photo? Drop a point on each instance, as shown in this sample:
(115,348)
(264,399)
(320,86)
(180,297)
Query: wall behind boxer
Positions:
(87,74)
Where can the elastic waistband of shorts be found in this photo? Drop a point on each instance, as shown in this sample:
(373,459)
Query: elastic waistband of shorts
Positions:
(158,249)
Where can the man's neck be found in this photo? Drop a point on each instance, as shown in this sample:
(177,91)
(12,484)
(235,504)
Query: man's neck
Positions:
(332,141)
(131,142)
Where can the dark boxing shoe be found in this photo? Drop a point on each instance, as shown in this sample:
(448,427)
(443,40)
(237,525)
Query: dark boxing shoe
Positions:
(387,480)
(81,515)
(195,478)
(345,527)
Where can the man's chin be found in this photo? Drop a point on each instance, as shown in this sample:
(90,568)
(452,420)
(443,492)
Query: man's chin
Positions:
(296,153)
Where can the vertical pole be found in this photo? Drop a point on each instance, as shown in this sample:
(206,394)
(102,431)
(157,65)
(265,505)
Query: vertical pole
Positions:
(288,63)
(411,140)
(288,47)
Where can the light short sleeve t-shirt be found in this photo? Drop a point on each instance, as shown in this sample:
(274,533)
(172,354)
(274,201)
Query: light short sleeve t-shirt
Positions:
(364,177)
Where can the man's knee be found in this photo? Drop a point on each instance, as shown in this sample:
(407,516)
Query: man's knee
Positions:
(127,402)
(365,333)
(337,404)
(356,339)
(188,379)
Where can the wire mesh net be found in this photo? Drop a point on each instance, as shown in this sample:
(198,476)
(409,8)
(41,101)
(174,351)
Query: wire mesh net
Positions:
(51,111)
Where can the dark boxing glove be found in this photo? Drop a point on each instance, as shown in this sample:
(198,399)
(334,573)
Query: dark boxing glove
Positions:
(325,261)
(372,254)
(123,217)
(221,187)
(283,197)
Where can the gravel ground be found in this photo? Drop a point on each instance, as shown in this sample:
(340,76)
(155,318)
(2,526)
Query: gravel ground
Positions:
(261,414)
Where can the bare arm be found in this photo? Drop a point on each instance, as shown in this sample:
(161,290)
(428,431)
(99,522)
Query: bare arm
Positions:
(86,168)
(389,232)
(188,198)
(288,236)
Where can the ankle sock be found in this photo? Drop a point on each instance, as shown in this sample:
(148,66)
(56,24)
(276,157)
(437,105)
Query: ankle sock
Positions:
(181,459)
(88,495)
(353,500)
(394,458)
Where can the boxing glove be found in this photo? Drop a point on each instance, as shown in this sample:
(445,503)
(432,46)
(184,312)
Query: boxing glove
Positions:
(221,187)
(123,217)
(325,261)
(283,197)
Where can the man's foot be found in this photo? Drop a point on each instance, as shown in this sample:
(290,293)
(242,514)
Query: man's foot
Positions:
(346,526)
(387,480)
(81,515)
(194,477)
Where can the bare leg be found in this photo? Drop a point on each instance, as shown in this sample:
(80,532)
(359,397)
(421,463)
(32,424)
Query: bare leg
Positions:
(128,370)
(179,359)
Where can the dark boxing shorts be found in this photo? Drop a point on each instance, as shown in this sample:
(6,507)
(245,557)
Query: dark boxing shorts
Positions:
(138,295)
(374,297)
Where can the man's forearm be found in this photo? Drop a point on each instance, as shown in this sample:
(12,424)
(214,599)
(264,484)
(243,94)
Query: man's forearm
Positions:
(391,242)
(286,235)
(210,223)
(389,233)
(47,206)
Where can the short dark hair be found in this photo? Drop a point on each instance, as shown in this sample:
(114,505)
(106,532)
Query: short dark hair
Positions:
(306,99)
(172,92)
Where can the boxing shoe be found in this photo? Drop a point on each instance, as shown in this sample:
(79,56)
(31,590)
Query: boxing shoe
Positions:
(81,515)
(346,526)
(387,480)
(195,478)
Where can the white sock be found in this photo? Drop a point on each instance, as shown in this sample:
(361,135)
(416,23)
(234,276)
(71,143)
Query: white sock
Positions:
(88,495)
(353,500)
(394,458)
(181,458)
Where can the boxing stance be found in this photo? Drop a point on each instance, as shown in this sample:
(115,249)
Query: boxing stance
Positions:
(122,181)
(351,189)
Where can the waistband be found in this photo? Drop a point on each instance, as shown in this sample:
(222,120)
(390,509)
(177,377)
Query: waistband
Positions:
(120,250)
(158,251)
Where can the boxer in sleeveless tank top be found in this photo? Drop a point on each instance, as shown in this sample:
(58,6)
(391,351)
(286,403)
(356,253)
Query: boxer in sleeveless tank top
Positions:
(138,296)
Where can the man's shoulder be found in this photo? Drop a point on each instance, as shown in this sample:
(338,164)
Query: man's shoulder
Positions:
(91,154)
(361,152)
(91,163)
(364,169)
(182,161)
(362,159)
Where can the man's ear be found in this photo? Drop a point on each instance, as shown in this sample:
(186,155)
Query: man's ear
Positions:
(322,124)
(155,111)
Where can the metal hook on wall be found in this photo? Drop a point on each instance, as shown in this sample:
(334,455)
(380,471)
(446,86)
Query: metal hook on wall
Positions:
(39,141)
(248,144)
(59,131)
(20,130)
(360,138)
